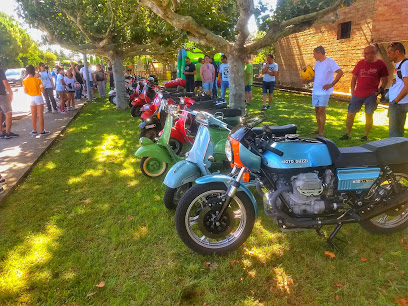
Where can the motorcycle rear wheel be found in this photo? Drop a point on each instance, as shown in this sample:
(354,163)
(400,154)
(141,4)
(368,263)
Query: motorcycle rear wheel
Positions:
(172,196)
(135,111)
(195,220)
(394,220)
(152,167)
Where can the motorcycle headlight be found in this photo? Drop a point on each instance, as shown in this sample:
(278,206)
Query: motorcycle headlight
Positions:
(228,151)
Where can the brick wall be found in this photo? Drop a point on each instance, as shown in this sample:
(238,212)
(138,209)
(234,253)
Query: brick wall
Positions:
(294,52)
(390,22)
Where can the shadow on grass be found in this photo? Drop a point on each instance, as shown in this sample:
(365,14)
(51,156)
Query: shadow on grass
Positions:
(86,214)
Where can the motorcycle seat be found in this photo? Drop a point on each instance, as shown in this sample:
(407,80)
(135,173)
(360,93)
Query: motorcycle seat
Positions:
(349,156)
(389,151)
(279,131)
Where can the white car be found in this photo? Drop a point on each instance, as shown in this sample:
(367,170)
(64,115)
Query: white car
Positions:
(16,76)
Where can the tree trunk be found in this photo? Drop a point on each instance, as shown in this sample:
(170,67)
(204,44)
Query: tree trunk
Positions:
(236,63)
(119,79)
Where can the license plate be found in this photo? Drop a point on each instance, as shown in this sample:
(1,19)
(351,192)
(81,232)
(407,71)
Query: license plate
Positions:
(150,126)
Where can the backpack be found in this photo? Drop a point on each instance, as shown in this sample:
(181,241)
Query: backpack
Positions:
(399,73)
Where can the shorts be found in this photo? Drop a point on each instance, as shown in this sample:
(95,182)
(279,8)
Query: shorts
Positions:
(268,86)
(36,100)
(61,92)
(208,86)
(320,100)
(356,103)
(198,84)
(5,104)
(248,88)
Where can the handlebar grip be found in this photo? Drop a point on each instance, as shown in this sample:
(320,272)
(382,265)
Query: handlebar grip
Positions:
(275,151)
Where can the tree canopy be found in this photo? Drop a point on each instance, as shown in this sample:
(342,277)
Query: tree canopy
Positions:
(290,16)
(17,49)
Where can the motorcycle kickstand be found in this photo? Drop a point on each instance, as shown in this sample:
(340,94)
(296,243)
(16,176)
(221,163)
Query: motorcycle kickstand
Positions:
(333,235)
(318,232)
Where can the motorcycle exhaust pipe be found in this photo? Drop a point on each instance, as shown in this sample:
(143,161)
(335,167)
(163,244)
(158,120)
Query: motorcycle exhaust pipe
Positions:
(398,200)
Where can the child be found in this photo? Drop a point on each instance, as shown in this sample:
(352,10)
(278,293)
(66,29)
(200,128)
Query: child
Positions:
(33,87)
(60,87)
(70,82)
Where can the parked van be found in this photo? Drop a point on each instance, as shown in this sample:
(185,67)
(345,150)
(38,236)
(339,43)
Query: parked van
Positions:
(16,76)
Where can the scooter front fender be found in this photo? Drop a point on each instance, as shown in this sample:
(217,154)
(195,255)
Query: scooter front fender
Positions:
(226,180)
(181,173)
(152,149)
(175,133)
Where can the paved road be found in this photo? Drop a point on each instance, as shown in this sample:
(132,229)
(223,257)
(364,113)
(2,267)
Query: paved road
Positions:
(19,104)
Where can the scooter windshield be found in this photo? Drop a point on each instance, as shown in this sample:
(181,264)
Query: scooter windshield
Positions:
(201,149)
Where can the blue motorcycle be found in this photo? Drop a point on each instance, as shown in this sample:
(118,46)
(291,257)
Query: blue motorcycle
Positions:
(208,150)
(305,184)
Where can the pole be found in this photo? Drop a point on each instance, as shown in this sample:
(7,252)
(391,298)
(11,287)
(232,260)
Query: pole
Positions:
(88,81)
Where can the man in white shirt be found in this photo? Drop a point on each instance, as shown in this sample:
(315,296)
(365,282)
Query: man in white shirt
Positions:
(91,77)
(398,94)
(324,81)
(269,71)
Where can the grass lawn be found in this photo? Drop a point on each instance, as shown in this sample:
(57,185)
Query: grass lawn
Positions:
(86,216)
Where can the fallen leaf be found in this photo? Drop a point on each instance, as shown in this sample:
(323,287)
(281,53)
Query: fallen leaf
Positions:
(402,272)
(91,294)
(206,264)
(86,226)
(333,267)
(66,190)
(337,297)
(206,304)
(402,301)
(329,254)
(130,218)
(90,238)
(233,262)
(252,274)
(405,246)
(363,259)
(100,285)
(213,266)
(339,285)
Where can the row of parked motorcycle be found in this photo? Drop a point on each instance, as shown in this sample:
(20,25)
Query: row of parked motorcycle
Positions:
(220,160)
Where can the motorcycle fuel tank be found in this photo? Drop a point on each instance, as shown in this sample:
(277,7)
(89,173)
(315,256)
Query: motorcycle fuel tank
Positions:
(298,155)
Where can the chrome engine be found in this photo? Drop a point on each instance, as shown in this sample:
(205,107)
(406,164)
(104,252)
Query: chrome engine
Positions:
(307,189)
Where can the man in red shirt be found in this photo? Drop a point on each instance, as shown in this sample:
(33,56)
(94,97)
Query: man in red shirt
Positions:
(367,74)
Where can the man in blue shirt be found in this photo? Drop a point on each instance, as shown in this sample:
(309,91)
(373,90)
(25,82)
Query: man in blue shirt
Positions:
(223,74)
(270,71)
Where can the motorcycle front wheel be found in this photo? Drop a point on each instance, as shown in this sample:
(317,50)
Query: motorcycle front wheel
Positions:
(172,196)
(152,167)
(392,221)
(135,111)
(196,224)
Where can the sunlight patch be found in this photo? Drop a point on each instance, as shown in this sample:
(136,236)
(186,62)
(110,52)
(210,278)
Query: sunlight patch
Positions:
(133,183)
(21,262)
(74,180)
(283,281)
(50,165)
(141,232)
(110,149)
(93,172)
(128,169)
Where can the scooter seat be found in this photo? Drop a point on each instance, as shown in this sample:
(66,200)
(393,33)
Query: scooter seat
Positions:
(202,105)
(227,112)
(279,131)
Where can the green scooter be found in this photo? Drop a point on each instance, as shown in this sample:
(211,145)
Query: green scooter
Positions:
(157,155)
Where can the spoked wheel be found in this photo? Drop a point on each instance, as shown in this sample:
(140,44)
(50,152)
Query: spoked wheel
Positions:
(172,196)
(394,220)
(152,167)
(149,133)
(135,111)
(176,145)
(196,219)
